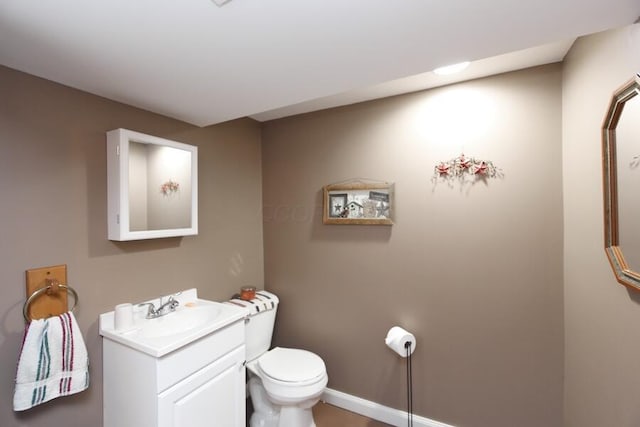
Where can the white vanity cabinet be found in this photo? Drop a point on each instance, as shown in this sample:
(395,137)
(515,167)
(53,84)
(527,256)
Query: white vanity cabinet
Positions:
(197,385)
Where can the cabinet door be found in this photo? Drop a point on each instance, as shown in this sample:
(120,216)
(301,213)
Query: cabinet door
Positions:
(213,396)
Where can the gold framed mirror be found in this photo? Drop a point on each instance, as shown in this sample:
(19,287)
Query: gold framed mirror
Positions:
(621,173)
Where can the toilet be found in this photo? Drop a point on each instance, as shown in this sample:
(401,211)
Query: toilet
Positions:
(284,383)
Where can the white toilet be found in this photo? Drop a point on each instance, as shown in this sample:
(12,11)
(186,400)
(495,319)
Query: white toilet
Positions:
(284,383)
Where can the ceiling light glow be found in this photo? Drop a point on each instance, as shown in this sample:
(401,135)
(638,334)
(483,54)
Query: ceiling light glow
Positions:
(451,69)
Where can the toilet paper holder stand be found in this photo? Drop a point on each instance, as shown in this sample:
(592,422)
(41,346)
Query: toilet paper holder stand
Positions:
(401,341)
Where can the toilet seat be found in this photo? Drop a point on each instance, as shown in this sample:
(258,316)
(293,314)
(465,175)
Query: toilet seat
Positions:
(292,366)
(291,376)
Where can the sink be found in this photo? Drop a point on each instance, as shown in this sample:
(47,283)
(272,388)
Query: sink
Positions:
(193,319)
(180,321)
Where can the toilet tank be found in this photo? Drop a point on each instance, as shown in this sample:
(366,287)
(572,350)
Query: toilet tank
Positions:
(259,325)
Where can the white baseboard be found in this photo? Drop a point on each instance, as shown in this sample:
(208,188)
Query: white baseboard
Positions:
(375,411)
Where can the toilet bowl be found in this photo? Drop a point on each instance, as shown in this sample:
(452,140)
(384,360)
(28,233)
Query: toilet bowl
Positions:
(285,384)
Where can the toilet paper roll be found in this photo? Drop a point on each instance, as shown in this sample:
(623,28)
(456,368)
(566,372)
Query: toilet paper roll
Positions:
(397,339)
(123,317)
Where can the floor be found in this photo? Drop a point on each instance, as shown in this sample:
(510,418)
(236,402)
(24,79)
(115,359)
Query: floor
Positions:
(326,415)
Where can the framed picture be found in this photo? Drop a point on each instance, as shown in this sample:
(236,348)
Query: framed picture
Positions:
(358,203)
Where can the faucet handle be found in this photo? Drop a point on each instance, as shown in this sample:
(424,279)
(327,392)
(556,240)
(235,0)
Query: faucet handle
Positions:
(151,311)
(173,303)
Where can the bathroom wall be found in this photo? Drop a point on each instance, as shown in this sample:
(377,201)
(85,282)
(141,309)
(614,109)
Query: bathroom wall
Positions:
(601,316)
(474,271)
(53,211)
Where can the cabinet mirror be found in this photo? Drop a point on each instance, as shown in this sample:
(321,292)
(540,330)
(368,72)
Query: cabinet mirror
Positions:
(621,166)
(152,186)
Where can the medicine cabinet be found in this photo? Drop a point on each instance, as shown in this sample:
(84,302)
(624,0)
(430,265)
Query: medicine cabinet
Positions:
(152,187)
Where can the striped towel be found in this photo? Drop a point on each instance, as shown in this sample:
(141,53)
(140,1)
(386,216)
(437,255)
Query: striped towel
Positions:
(263,301)
(53,362)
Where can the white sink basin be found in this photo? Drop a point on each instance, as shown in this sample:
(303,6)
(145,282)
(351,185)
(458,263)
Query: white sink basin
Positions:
(181,321)
(193,319)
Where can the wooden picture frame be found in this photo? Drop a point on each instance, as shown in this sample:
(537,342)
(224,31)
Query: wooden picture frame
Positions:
(358,203)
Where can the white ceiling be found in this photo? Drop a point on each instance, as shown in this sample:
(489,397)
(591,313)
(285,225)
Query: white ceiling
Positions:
(195,61)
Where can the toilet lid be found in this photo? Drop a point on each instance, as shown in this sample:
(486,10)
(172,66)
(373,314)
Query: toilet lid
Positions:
(291,365)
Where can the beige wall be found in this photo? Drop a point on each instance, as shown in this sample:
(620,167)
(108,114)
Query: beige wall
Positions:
(475,273)
(53,211)
(601,316)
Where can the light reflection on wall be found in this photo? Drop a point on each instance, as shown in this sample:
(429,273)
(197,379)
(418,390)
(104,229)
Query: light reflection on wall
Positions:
(453,118)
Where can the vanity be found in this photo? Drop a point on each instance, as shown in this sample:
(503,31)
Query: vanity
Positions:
(182,369)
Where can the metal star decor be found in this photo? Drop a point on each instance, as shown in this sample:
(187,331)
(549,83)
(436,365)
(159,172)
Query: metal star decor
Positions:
(465,169)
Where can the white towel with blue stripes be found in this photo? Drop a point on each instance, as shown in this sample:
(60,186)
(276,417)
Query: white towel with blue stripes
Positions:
(53,362)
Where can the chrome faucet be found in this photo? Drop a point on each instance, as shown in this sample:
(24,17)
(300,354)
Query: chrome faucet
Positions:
(167,307)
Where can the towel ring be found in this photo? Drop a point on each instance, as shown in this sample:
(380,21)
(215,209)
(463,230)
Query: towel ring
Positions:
(47,288)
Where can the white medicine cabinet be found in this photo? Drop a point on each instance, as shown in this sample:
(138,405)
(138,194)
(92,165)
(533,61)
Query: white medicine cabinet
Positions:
(152,186)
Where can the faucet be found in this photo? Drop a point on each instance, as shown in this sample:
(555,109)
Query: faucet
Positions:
(167,307)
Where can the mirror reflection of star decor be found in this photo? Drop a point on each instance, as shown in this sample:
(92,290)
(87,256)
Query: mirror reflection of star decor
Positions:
(465,170)
(169,187)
